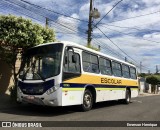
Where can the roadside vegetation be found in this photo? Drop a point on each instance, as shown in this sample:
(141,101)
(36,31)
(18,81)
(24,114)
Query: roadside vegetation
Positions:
(153,79)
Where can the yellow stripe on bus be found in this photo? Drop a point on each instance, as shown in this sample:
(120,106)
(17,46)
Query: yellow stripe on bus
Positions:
(134,88)
(104,80)
(72,89)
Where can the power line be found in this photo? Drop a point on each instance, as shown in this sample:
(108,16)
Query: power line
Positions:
(108,47)
(115,44)
(70,24)
(53,11)
(10,6)
(105,46)
(122,50)
(135,27)
(30,16)
(42,16)
(133,17)
(50,20)
(133,36)
(118,55)
(108,13)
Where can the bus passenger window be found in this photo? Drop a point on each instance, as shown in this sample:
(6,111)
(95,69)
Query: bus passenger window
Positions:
(90,63)
(125,71)
(133,73)
(116,67)
(105,66)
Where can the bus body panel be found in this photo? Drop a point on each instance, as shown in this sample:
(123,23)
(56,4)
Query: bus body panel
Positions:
(72,96)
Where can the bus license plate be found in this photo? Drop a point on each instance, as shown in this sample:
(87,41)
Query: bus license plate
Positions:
(30,97)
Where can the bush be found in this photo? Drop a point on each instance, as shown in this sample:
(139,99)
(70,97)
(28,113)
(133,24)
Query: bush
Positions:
(153,79)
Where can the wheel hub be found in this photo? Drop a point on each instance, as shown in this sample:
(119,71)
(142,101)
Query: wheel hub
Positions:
(87,100)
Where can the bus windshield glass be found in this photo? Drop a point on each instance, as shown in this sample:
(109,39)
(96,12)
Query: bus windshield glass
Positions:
(42,62)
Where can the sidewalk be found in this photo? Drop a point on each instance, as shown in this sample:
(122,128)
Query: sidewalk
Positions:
(147,94)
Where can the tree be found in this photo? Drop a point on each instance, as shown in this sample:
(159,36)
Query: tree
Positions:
(18,34)
(142,75)
(153,80)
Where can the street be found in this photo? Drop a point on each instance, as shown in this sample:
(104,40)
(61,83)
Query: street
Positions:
(144,108)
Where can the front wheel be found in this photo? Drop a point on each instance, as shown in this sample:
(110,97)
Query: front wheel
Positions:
(87,100)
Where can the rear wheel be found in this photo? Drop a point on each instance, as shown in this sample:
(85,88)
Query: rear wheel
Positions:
(127,99)
(87,101)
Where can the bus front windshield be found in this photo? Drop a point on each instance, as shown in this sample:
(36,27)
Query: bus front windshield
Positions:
(42,62)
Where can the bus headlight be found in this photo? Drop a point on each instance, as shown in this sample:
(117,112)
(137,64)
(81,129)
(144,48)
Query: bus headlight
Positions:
(51,90)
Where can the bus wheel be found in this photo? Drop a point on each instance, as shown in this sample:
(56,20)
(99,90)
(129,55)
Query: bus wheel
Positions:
(127,100)
(87,101)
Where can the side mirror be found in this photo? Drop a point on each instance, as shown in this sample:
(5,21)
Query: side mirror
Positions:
(74,58)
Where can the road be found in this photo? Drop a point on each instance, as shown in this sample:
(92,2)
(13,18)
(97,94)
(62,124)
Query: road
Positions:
(146,108)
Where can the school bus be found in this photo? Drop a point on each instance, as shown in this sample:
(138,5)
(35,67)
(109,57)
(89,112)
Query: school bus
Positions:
(66,73)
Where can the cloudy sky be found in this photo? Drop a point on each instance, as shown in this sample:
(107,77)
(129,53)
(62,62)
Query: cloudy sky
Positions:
(133,26)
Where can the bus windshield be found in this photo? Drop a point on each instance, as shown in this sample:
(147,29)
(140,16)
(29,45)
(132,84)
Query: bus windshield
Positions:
(42,62)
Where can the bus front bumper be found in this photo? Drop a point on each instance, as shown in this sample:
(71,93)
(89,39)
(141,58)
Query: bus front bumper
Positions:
(45,99)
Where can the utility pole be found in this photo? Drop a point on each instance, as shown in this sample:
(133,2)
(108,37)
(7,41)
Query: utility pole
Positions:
(99,47)
(47,22)
(93,13)
(140,67)
(90,24)
(125,59)
(156,69)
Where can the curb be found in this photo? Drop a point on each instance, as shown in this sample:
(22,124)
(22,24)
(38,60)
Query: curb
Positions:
(147,94)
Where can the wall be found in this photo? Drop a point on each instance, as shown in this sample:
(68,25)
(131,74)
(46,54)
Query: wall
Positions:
(5,77)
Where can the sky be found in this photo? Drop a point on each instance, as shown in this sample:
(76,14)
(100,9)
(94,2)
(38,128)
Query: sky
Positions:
(133,26)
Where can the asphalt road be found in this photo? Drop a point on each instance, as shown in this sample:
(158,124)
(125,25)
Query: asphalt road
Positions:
(146,108)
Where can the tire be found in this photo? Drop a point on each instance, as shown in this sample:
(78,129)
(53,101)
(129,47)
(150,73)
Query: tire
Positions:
(87,101)
(127,99)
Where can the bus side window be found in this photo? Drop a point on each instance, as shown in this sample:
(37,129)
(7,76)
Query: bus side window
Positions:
(125,71)
(70,65)
(133,73)
(116,68)
(90,62)
(105,66)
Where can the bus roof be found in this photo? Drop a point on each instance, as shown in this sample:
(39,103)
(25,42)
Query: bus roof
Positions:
(87,49)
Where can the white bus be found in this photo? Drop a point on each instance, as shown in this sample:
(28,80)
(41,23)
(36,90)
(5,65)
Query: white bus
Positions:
(66,73)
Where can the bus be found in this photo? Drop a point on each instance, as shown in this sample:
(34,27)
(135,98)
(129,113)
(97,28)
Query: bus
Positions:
(66,73)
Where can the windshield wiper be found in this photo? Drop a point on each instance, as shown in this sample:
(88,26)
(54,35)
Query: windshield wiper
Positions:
(40,76)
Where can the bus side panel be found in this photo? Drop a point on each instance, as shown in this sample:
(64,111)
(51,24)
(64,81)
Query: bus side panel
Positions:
(106,95)
(116,94)
(134,92)
(102,95)
(71,96)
